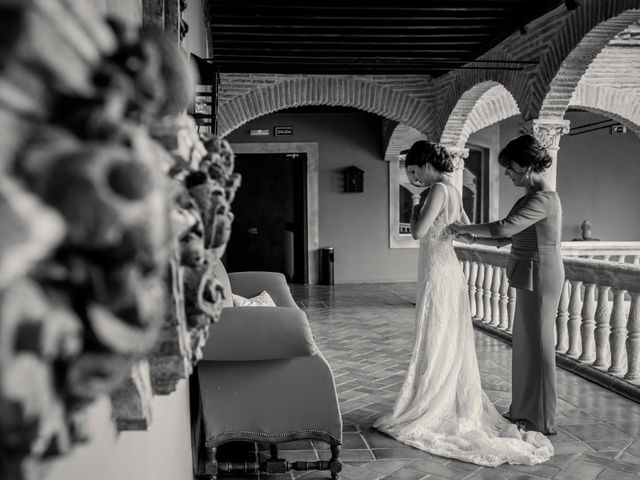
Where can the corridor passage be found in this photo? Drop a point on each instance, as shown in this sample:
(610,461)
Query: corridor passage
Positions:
(366,333)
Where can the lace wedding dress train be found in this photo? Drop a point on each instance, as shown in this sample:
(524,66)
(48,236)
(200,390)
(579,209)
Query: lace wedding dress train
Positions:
(441,407)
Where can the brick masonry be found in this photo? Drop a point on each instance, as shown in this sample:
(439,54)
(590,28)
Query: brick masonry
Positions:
(580,53)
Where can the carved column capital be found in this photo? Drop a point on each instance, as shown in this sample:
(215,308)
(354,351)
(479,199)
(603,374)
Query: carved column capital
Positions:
(547,131)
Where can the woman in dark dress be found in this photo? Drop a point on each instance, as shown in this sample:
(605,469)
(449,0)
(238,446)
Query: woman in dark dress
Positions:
(535,269)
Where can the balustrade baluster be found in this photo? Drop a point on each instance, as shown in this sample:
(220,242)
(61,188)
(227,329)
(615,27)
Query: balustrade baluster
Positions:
(479,292)
(465,269)
(473,276)
(636,260)
(511,307)
(618,335)
(573,326)
(562,318)
(486,292)
(633,339)
(504,297)
(495,297)
(588,325)
(602,327)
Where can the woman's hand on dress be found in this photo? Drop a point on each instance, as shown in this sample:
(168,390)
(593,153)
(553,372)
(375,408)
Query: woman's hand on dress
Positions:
(466,238)
(456,227)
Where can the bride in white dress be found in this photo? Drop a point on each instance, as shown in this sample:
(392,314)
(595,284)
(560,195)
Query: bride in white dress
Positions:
(441,407)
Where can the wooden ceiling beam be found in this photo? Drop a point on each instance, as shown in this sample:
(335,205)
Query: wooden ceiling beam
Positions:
(422,61)
(304,17)
(360,11)
(332,44)
(295,36)
(220,29)
(373,4)
(430,37)
(396,52)
(349,69)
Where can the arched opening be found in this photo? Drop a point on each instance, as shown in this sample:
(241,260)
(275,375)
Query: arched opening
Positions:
(480,107)
(333,139)
(382,98)
(597,87)
(595,52)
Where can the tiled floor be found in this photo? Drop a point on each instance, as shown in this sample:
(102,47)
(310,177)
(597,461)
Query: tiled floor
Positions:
(366,334)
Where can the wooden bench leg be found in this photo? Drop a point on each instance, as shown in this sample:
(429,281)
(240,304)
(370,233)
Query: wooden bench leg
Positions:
(273,449)
(335,465)
(211,466)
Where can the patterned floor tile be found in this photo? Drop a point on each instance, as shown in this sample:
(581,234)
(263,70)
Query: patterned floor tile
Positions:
(579,471)
(405,474)
(366,334)
(596,432)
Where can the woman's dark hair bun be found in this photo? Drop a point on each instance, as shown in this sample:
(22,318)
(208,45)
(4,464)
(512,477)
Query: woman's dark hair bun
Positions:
(526,151)
(423,152)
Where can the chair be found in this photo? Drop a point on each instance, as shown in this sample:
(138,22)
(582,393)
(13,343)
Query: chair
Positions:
(263,379)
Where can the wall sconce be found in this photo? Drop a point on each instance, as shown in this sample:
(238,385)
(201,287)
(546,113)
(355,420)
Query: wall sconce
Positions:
(353,180)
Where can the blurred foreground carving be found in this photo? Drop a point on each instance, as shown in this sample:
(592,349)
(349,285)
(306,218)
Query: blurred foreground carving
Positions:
(113,213)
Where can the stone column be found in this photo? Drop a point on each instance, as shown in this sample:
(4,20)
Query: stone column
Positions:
(548,132)
(459,156)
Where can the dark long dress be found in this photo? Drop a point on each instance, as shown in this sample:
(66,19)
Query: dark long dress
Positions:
(536,270)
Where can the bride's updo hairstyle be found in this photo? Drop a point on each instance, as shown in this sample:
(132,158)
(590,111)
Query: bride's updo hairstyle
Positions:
(526,151)
(423,152)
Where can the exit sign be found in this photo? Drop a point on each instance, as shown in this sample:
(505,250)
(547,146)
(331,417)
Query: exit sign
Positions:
(280,131)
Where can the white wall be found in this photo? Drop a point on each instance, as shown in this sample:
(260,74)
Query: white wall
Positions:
(598,179)
(161,453)
(196,40)
(355,224)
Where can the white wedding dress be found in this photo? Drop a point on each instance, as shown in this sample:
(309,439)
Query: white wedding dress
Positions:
(442,408)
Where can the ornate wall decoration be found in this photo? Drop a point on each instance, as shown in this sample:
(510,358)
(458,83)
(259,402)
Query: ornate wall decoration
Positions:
(113,212)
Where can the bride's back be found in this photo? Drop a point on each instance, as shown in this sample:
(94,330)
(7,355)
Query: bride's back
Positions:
(450,213)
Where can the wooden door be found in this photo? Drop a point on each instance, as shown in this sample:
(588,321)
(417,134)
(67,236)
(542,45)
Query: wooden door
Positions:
(269,230)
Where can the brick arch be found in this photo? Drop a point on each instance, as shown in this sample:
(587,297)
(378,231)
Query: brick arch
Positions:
(586,33)
(361,93)
(452,86)
(482,105)
(402,137)
(615,104)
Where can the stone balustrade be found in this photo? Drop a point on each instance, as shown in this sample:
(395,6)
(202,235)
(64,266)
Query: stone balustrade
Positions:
(598,319)
(623,252)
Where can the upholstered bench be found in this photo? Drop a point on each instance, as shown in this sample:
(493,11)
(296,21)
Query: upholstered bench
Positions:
(262,379)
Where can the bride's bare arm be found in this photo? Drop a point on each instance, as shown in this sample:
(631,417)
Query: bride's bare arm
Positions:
(422,217)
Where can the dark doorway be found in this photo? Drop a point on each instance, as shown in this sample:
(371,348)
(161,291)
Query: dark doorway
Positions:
(270,228)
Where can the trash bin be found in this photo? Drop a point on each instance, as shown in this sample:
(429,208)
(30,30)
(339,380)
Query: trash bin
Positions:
(326,266)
